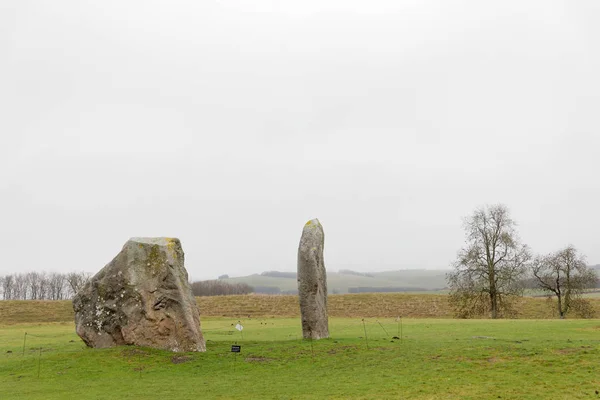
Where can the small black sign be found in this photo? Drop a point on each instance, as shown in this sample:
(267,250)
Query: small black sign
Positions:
(236,348)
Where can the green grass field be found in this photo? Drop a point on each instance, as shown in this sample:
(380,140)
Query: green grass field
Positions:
(436,359)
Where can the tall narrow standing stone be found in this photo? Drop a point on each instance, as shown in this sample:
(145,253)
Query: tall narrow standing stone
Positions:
(312,282)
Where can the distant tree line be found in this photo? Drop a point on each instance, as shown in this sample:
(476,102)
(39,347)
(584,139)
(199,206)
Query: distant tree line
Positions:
(278,274)
(219,288)
(42,285)
(350,272)
(294,275)
(387,289)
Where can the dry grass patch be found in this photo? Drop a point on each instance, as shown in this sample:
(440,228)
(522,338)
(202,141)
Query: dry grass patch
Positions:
(363,305)
(180,359)
(35,311)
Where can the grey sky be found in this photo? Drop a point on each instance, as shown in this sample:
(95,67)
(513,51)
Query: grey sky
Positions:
(231,123)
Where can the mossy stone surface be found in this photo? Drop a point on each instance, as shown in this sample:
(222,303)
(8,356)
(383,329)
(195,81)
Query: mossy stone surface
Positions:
(312,282)
(142,297)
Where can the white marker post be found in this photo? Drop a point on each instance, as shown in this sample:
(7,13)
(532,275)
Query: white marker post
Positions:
(240,328)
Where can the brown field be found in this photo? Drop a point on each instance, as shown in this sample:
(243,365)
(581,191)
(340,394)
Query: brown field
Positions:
(344,305)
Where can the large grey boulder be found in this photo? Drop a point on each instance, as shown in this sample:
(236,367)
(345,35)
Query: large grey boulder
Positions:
(312,282)
(142,297)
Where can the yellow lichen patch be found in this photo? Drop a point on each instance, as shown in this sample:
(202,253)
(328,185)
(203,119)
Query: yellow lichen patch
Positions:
(171,244)
(308,223)
(156,259)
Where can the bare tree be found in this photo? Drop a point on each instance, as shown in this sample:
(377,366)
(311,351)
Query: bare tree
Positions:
(34,283)
(77,280)
(56,286)
(565,274)
(20,287)
(489,270)
(44,286)
(8,282)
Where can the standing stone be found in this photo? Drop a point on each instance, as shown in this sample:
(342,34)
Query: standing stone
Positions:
(312,282)
(142,297)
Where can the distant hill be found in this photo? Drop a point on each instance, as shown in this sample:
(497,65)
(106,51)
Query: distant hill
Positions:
(347,281)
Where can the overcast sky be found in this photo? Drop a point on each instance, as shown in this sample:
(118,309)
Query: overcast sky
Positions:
(231,123)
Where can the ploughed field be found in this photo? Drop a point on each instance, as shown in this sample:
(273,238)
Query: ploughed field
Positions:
(371,354)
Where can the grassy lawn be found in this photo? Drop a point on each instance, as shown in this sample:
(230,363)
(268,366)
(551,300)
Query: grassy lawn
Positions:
(436,358)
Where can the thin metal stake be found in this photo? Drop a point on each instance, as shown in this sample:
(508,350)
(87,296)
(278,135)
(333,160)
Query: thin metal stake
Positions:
(366,338)
(386,332)
(39,358)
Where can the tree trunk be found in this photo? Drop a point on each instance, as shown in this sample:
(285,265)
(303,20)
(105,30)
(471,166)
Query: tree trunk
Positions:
(560,310)
(493,295)
(494,305)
